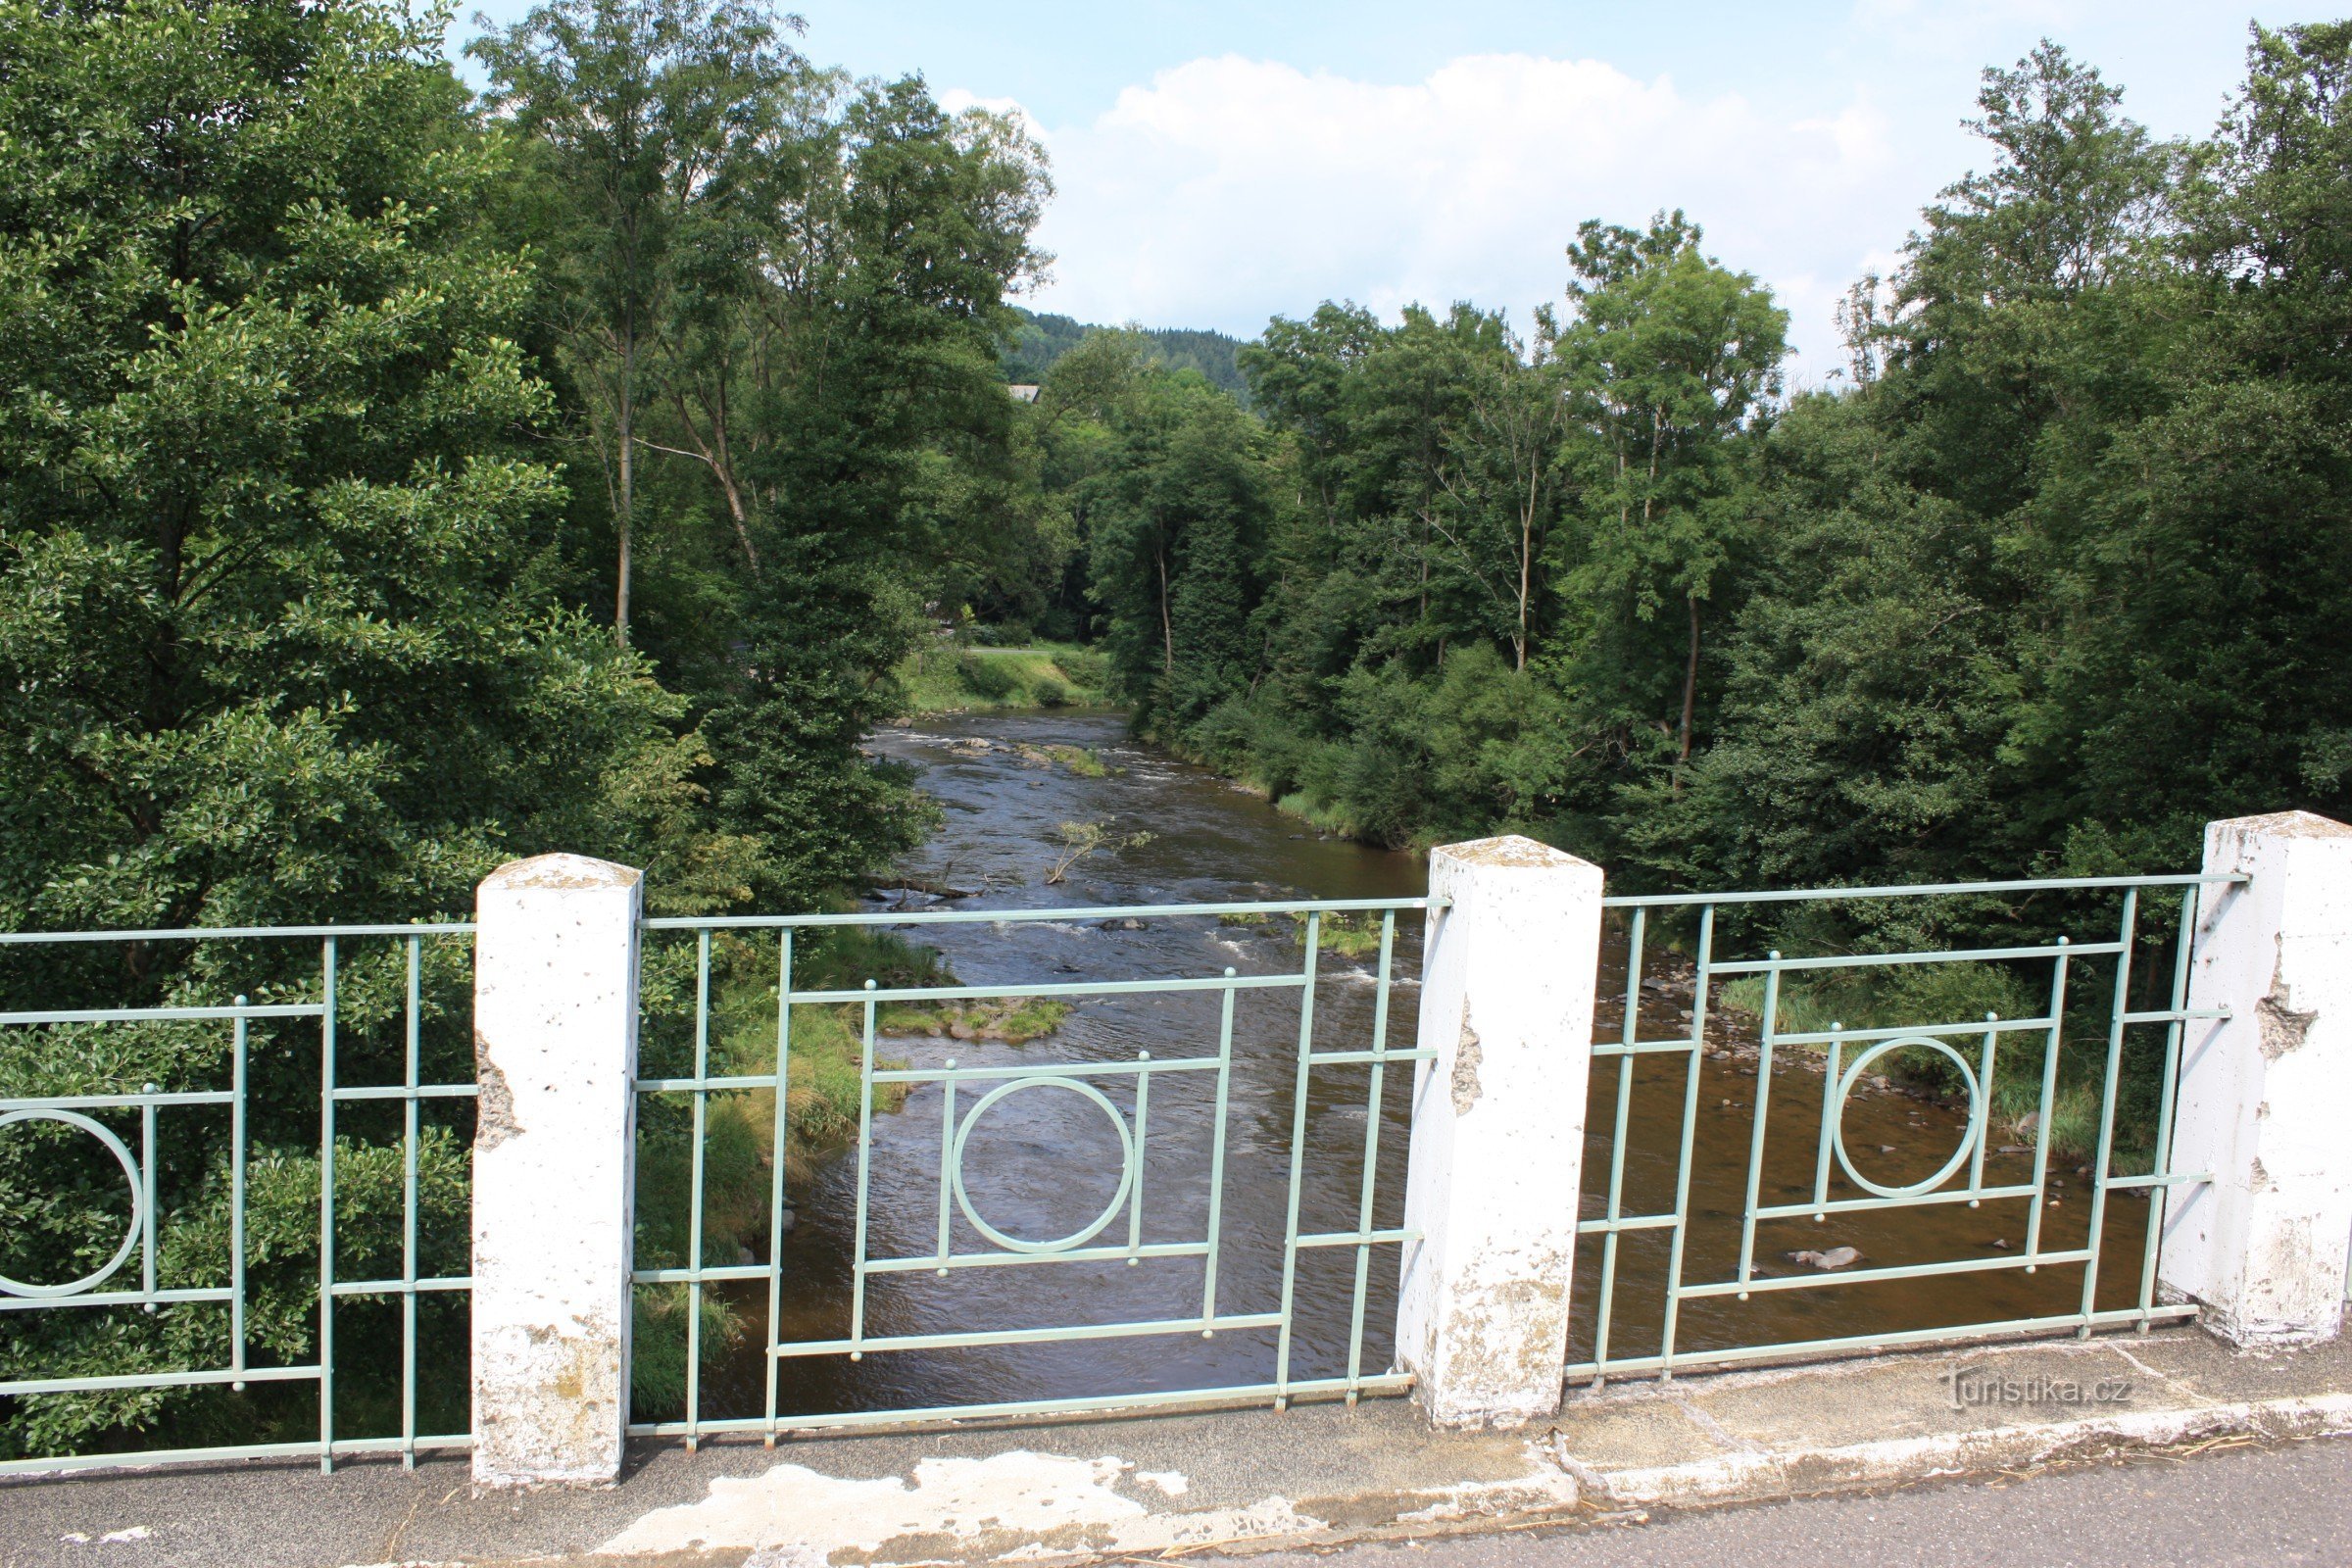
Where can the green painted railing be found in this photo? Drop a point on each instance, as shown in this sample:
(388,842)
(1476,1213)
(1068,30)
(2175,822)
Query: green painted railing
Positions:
(1837,1185)
(963,1240)
(131,1125)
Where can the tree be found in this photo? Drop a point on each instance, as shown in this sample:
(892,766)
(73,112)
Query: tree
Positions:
(1679,355)
(641,112)
(281,634)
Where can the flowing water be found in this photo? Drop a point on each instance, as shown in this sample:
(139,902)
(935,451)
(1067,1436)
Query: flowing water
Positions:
(1042,1164)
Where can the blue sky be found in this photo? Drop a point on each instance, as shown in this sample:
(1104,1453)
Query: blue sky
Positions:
(1217,164)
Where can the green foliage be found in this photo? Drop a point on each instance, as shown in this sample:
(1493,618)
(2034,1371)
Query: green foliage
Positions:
(986,679)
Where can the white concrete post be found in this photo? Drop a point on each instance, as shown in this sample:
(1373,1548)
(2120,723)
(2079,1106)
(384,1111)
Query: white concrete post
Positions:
(1508,979)
(555,1031)
(2266,1097)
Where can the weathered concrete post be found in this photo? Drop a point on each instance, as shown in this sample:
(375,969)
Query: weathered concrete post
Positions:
(2265,1096)
(1498,1130)
(555,1021)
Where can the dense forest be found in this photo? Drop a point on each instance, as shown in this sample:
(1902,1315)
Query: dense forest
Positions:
(2059,568)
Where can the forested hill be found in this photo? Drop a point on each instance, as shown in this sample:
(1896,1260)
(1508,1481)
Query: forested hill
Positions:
(1043,338)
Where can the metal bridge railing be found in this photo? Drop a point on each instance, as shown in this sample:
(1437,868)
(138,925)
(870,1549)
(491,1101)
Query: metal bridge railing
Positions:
(1127,1088)
(169,1159)
(1821,1178)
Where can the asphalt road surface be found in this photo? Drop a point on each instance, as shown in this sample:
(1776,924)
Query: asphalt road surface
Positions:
(2285,1504)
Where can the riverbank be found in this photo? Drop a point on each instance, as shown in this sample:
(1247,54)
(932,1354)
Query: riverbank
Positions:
(1240,1480)
(963,679)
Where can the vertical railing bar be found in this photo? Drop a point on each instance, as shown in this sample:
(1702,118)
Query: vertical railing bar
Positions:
(1630,1033)
(1372,1104)
(1289,1230)
(694,1197)
(775,1184)
(947,1162)
(327,1071)
(865,1157)
(1135,1162)
(2163,1164)
(408,1215)
(2050,1048)
(147,1192)
(1829,1109)
(1216,1162)
(1682,1177)
(1755,1144)
(1982,1123)
(2127,935)
(236,1202)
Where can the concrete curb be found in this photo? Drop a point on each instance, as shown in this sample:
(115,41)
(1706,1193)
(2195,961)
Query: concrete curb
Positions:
(1165,1488)
(1764,1476)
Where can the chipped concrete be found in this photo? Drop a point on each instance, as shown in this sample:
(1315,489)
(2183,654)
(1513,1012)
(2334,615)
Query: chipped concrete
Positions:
(1498,1119)
(1180,1485)
(555,1054)
(1465,1071)
(2264,1092)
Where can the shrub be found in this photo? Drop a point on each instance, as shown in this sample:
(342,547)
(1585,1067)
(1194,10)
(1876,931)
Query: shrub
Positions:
(1086,669)
(1049,693)
(984,677)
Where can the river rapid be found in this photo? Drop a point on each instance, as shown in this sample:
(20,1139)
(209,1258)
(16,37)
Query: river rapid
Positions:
(1043,1163)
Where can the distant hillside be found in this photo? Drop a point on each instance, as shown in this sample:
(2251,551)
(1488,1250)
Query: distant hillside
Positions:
(1044,338)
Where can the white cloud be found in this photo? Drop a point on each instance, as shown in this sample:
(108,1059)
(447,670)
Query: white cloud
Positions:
(1229,189)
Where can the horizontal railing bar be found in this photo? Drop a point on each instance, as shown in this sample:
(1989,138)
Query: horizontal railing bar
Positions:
(1105,912)
(1647,1048)
(2176,1179)
(703,1275)
(1358,1237)
(1981,1026)
(1864,961)
(223,933)
(2177,1015)
(160,1457)
(1866,1276)
(160,1380)
(274,1009)
(1084,1404)
(404,1092)
(1630,1222)
(123,1101)
(687,1085)
(192,1292)
(1851,1206)
(1655,901)
(1056,1336)
(1076,1254)
(1046,1069)
(435,1282)
(1343,1058)
(1064,988)
(1688,1360)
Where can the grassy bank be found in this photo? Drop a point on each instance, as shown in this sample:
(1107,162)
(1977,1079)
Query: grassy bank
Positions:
(949,679)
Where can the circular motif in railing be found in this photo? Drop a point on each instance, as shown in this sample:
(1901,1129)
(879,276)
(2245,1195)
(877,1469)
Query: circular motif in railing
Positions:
(1076,1237)
(1968,1141)
(138,1205)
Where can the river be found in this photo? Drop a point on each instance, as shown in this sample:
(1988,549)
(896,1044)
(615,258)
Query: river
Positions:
(1043,1164)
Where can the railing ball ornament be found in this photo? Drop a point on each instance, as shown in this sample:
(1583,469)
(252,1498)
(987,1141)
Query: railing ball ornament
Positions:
(1968,1142)
(138,1205)
(1076,1237)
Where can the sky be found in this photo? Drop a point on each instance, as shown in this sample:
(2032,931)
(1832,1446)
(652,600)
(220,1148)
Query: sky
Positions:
(1216,163)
